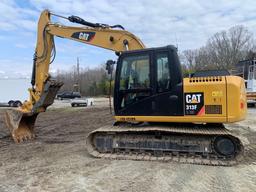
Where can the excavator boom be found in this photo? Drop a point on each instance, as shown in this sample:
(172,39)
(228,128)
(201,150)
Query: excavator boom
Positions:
(44,88)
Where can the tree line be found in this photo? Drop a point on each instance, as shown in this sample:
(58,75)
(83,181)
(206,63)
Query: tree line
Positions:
(89,82)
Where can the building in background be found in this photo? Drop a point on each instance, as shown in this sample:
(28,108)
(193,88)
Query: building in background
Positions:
(14,90)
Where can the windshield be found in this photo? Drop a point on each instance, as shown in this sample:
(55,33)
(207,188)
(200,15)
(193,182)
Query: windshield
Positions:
(135,72)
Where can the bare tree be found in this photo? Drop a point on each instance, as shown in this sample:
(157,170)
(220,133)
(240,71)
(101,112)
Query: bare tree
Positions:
(226,48)
(190,56)
(223,50)
(201,59)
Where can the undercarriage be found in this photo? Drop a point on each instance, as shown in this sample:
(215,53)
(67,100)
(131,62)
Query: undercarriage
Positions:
(209,144)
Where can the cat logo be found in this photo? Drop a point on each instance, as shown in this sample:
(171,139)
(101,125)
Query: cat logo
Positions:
(84,36)
(193,98)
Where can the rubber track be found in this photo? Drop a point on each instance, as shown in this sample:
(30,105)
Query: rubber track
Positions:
(175,157)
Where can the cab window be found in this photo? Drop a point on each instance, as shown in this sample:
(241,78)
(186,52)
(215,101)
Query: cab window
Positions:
(134,79)
(163,72)
(135,73)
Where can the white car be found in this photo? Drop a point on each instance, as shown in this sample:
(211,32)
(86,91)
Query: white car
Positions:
(82,102)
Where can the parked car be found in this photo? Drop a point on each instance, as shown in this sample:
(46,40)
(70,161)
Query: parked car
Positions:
(12,103)
(82,102)
(68,95)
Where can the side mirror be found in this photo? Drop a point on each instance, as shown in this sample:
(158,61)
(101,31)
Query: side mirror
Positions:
(109,66)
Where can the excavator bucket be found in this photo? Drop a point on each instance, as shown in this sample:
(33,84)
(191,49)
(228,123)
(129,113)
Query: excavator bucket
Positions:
(21,124)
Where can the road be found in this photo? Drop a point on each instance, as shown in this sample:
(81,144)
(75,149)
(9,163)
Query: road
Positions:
(58,161)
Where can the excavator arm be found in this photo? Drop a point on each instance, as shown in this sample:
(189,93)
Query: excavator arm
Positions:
(44,89)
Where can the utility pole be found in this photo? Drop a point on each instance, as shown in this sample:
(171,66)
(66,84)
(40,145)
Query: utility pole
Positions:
(77,76)
(77,67)
(78,73)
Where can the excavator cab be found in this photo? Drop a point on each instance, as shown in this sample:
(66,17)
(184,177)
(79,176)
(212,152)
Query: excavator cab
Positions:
(148,82)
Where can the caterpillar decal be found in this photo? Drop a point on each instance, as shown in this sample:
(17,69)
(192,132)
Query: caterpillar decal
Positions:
(85,36)
(194,103)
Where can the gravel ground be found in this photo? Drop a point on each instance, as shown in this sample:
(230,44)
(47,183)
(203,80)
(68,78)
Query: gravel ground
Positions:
(58,161)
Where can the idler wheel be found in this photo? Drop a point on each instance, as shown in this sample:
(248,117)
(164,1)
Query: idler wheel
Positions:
(225,146)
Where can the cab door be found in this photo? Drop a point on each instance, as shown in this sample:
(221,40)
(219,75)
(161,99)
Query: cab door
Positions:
(133,85)
(168,88)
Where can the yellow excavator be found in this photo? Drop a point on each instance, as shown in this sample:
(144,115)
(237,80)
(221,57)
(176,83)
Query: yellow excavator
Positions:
(159,115)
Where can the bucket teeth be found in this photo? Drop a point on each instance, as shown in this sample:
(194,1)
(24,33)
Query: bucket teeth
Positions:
(20,137)
(20,124)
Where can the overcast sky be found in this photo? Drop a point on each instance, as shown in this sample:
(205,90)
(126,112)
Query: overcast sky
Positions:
(185,23)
